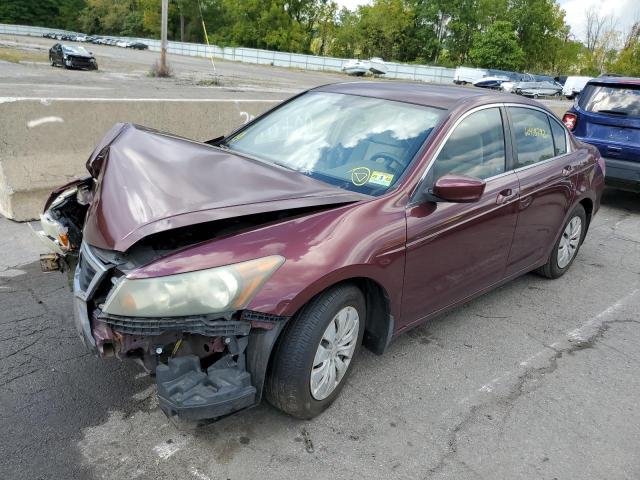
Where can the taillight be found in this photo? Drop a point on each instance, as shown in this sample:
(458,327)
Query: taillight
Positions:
(570,120)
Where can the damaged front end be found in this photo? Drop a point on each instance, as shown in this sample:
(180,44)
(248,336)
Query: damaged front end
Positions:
(62,223)
(152,196)
(209,355)
(200,360)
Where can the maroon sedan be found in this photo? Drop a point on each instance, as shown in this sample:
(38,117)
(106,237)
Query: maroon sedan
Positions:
(260,263)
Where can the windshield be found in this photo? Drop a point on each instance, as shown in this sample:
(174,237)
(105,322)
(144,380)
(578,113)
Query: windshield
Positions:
(613,100)
(74,49)
(356,143)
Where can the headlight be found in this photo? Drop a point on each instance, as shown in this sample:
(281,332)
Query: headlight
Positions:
(215,290)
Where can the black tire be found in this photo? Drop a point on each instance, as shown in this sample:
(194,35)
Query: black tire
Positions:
(551,268)
(51,61)
(288,383)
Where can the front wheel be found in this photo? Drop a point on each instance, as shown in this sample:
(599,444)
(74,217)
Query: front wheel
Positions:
(566,248)
(314,356)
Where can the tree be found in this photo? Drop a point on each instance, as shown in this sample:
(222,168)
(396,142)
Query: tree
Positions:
(497,47)
(45,13)
(595,27)
(540,27)
(628,61)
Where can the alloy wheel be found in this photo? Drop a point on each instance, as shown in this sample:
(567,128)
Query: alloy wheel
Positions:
(334,352)
(569,242)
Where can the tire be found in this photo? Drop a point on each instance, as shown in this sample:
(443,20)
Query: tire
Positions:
(51,61)
(555,268)
(289,384)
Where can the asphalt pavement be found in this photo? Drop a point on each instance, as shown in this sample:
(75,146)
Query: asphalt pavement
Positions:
(536,380)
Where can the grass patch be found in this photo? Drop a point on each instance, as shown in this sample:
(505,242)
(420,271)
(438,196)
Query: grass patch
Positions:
(16,56)
(209,82)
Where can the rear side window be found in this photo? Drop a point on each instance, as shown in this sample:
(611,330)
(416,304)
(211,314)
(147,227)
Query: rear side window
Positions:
(611,100)
(532,132)
(559,137)
(475,148)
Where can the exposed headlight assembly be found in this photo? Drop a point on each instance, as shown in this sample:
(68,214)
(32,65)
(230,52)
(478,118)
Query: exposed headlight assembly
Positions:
(214,290)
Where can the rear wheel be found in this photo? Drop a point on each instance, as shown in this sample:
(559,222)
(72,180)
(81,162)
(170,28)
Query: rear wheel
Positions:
(315,354)
(566,248)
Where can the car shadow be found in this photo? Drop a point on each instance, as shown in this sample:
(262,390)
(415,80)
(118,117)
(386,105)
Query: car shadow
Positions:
(620,199)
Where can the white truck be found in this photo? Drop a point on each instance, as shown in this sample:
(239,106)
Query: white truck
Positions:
(573,86)
(465,75)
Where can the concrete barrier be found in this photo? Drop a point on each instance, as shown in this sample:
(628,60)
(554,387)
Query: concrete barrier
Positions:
(45,143)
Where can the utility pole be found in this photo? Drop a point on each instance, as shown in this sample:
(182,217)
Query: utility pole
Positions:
(163,36)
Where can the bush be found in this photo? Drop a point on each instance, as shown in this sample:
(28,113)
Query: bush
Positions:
(159,71)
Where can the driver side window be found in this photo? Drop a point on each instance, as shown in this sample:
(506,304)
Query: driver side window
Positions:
(475,148)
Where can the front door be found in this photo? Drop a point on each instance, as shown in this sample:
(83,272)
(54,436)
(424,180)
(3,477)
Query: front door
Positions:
(457,249)
(546,173)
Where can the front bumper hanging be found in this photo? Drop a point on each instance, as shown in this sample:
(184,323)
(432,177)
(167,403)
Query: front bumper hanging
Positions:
(185,390)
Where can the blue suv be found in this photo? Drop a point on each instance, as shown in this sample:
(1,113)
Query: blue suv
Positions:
(607,115)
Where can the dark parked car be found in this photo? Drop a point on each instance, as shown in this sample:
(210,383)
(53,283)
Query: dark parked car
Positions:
(607,115)
(138,45)
(72,56)
(258,264)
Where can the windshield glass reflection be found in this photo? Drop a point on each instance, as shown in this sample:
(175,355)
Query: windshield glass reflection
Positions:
(356,143)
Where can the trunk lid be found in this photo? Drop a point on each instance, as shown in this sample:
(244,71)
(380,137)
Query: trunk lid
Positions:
(148,182)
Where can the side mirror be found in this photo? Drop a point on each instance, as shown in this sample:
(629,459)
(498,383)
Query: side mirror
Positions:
(458,189)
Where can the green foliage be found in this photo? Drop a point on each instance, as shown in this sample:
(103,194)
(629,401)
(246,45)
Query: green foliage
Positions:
(497,47)
(529,35)
(44,13)
(628,62)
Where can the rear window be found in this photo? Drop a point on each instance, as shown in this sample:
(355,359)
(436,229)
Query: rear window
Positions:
(620,100)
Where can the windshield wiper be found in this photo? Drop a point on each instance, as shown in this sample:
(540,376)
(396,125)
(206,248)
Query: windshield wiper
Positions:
(615,112)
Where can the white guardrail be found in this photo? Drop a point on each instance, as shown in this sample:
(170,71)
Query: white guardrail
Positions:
(423,73)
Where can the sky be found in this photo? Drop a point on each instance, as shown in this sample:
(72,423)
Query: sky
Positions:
(625,12)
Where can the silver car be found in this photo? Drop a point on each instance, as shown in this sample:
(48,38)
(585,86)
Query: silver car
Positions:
(538,89)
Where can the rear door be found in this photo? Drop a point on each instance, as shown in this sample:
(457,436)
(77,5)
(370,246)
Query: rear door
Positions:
(609,118)
(546,172)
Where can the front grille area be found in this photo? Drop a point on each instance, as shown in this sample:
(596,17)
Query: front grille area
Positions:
(91,272)
(252,316)
(81,62)
(87,272)
(199,325)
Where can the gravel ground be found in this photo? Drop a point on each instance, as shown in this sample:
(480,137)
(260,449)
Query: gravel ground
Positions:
(123,73)
(536,380)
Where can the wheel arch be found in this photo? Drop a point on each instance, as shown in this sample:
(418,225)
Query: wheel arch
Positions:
(379,328)
(379,324)
(587,204)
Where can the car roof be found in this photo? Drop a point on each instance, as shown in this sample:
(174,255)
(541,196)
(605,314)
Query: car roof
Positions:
(439,96)
(615,81)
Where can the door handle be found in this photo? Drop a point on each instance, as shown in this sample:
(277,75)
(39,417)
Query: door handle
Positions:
(505,195)
(567,170)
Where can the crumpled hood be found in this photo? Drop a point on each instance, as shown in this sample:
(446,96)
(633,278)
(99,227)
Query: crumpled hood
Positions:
(149,182)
